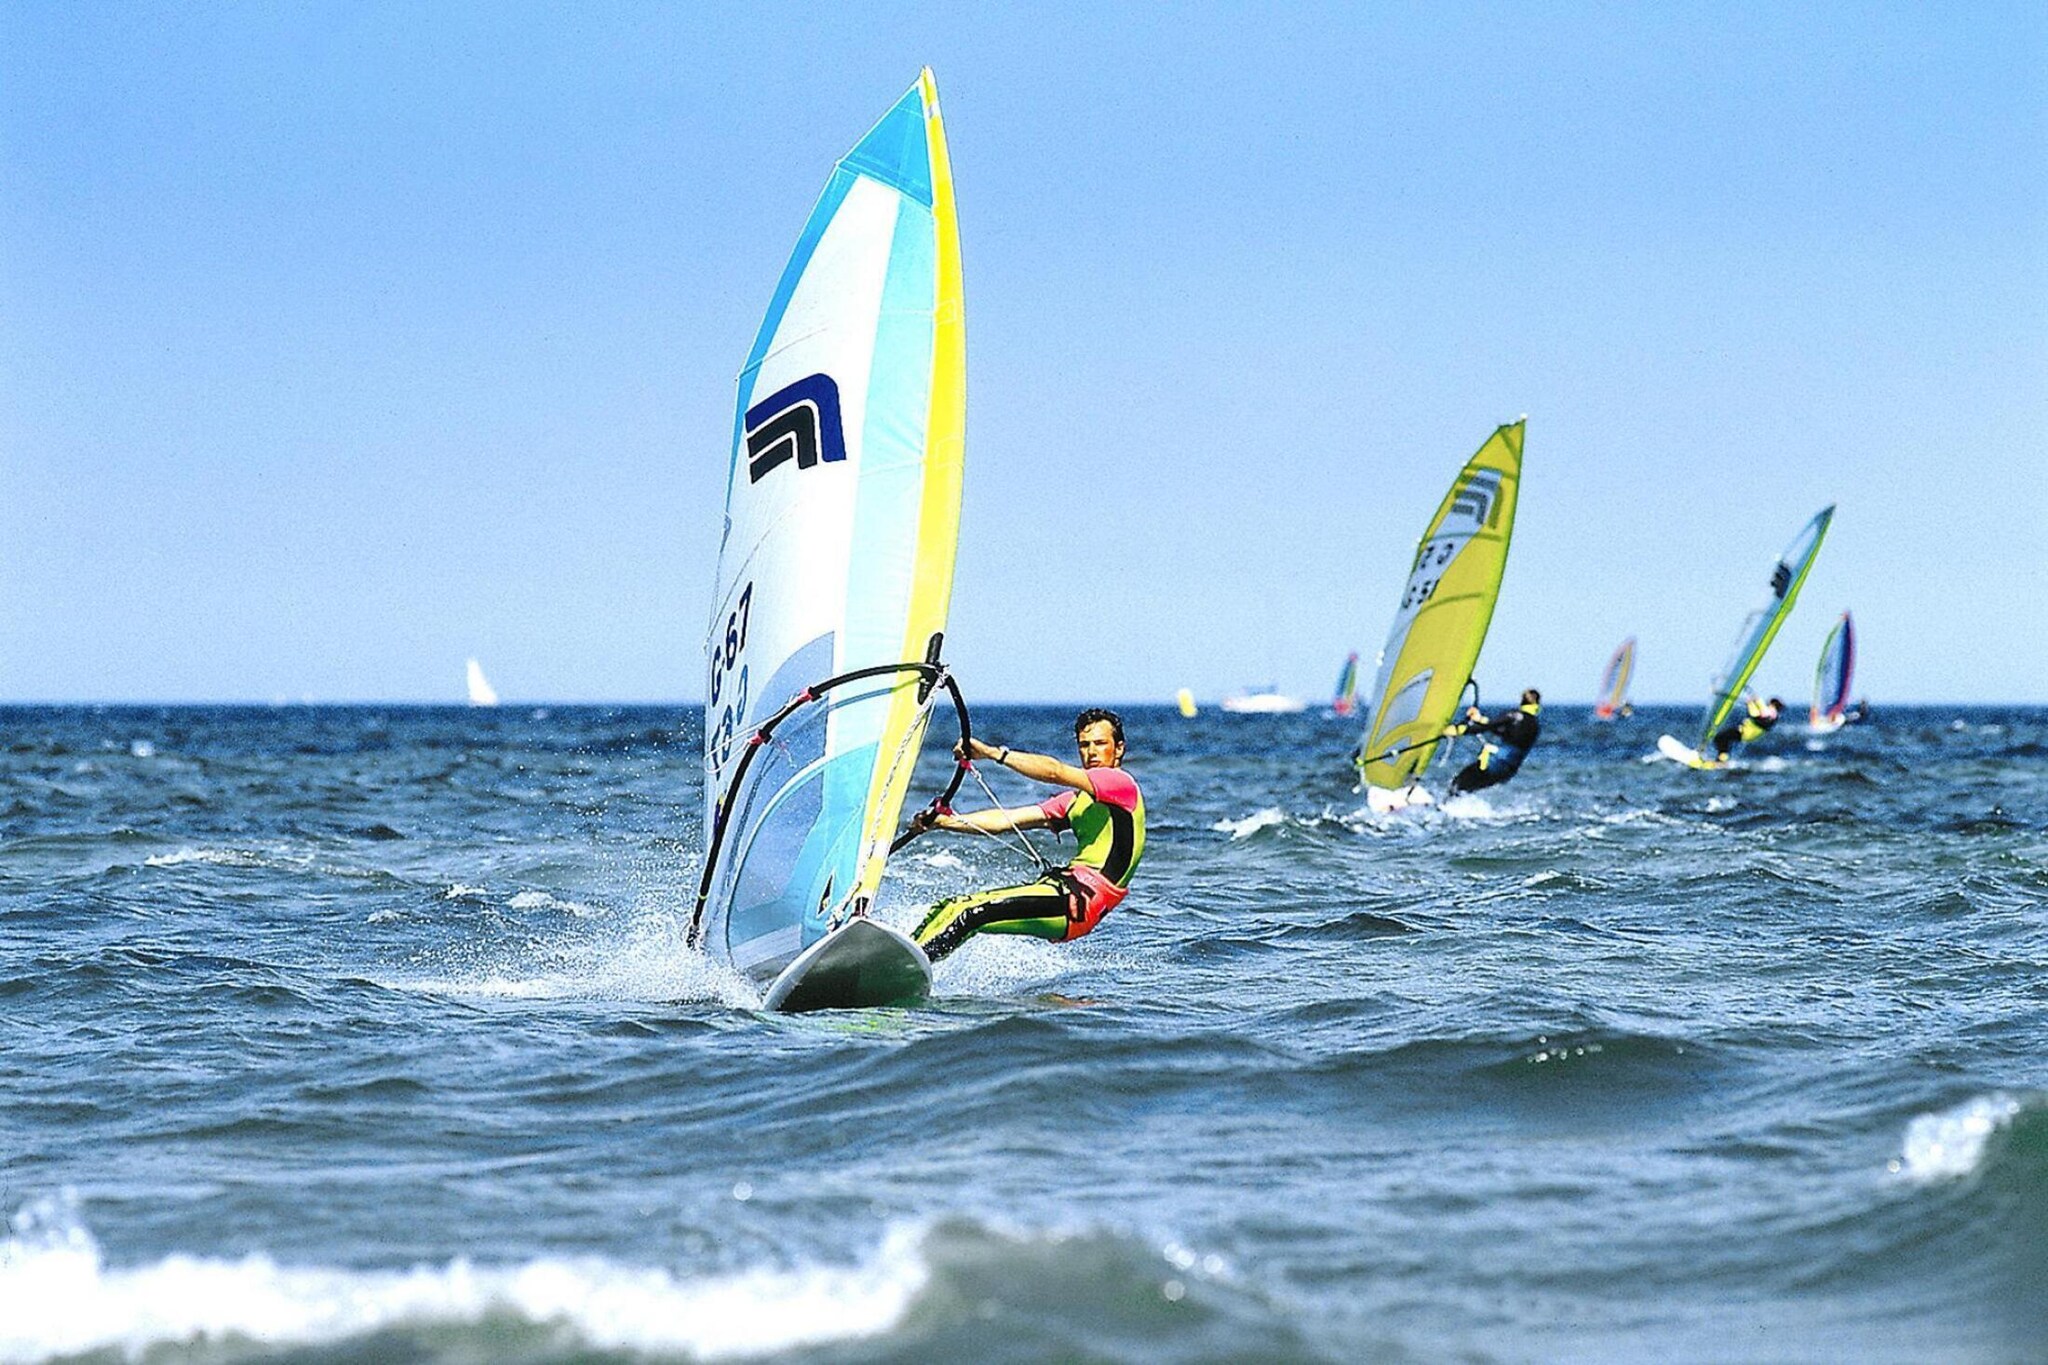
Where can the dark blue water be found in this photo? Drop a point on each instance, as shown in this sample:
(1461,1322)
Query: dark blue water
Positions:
(351,1034)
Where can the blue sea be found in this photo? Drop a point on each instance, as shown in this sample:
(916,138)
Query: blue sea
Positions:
(336,1034)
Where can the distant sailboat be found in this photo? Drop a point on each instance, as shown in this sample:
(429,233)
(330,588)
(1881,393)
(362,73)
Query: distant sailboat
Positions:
(1262,701)
(1614,682)
(1832,679)
(481,693)
(1731,684)
(1185,700)
(1345,701)
(1440,623)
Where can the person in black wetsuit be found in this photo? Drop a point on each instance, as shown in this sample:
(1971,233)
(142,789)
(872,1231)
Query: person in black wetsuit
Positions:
(1510,736)
(1757,719)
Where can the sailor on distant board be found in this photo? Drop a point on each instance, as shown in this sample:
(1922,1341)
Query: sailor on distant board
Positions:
(1510,737)
(1758,718)
(1103,808)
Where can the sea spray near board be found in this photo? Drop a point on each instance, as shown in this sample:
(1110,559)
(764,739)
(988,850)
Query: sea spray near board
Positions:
(1761,627)
(834,577)
(1441,622)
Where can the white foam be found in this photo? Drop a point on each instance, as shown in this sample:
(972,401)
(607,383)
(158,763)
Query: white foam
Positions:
(644,960)
(1466,806)
(1951,1143)
(1251,824)
(460,892)
(941,860)
(141,748)
(541,900)
(218,857)
(1716,805)
(64,1300)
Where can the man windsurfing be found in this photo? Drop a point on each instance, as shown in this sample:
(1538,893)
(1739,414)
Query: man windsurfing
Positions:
(1101,805)
(1757,719)
(1510,736)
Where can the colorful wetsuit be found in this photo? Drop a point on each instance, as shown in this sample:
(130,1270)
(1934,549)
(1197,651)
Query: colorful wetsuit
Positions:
(1516,730)
(1062,905)
(1755,723)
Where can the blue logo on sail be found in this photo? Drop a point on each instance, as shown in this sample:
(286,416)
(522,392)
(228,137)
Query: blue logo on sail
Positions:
(800,422)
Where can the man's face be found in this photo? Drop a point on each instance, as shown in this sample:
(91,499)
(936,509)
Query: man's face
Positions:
(1099,746)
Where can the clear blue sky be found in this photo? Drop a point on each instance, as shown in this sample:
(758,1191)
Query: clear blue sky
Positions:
(339,342)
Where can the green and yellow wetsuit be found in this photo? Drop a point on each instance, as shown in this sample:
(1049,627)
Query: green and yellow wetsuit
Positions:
(1109,826)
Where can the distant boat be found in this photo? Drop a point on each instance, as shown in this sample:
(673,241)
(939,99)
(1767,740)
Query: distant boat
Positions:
(481,693)
(1614,682)
(1440,624)
(1832,679)
(1731,684)
(1264,701)
(1345,700)
(1185,700)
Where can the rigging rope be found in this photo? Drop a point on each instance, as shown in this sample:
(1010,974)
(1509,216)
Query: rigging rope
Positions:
(1030,849)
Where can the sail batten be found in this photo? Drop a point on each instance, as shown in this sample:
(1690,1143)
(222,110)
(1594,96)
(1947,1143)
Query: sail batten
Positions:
(1441,621)
(835,572)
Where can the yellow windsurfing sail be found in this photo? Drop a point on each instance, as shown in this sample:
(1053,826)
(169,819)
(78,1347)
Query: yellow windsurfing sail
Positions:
(1444,612)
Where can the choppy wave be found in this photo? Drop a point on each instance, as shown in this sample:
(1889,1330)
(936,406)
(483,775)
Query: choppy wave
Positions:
(1952,1143)
(64,1300)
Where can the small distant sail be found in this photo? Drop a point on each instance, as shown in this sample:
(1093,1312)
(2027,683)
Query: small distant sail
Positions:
(1614,682)
(1787,575)
(1345,700)
(1262,701)
(1834,676)
(1185,699)
(1441,621)
(481,693)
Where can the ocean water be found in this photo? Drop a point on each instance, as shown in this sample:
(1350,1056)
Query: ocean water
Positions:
(367,1034)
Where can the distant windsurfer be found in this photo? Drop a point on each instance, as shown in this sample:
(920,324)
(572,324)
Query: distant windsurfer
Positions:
(1757,719)
(1510,736)
(1102,806)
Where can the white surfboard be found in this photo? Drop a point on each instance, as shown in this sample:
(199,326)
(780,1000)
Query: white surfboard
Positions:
(1684,753)
(863,964)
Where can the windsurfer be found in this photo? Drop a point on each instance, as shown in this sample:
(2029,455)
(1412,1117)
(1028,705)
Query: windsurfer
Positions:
(1758,717)
(1102,806)
(1515,732)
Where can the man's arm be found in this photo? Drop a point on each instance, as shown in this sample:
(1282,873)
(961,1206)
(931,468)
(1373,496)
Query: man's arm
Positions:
(1038,767)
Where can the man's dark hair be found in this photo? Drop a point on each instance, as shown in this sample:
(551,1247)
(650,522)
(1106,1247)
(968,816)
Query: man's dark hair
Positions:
(1096,713)
(1531,697)
(1775,702)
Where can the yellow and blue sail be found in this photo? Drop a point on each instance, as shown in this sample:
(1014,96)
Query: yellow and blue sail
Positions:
(842,514)
(1445,609)
(1834,675)
(1787,576)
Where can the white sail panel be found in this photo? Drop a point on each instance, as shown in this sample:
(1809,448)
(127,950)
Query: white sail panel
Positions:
(842,510)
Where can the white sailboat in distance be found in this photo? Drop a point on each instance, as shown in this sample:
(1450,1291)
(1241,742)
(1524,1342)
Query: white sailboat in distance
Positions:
(481,693)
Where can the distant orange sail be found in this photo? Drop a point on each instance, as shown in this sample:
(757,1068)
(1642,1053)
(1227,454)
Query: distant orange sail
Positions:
(1614,682)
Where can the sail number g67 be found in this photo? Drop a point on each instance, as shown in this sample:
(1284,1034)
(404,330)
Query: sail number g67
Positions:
(729,675)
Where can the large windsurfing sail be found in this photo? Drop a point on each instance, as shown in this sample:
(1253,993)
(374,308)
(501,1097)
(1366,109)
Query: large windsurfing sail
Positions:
(1835,674)
(1614,682)
(1346,699)
(842,510)
(1762,626)
(1443,614)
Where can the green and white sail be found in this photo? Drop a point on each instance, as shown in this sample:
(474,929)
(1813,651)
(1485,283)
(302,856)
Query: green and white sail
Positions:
(1761,627)
(1440,624)
(841,516)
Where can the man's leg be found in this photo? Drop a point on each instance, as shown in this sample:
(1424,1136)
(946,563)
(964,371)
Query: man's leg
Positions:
(1037,908)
